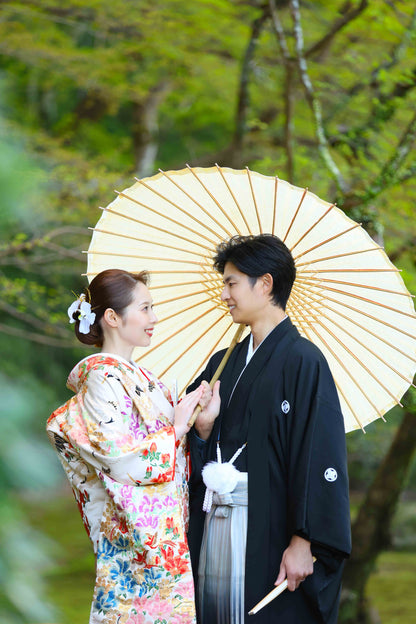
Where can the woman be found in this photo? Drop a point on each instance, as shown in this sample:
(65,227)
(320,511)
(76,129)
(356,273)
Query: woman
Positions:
(122,444)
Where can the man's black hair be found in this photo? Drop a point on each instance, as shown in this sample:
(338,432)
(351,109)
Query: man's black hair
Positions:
(257,255)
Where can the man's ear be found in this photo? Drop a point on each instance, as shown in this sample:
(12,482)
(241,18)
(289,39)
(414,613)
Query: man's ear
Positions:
(267,283)
(111,318)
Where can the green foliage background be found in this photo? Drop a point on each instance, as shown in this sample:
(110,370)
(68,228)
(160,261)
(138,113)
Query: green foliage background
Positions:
(96,92)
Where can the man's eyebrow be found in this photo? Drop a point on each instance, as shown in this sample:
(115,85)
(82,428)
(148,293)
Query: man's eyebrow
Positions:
(228,279)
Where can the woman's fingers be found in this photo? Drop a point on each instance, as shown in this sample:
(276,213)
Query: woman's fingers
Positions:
(191,400)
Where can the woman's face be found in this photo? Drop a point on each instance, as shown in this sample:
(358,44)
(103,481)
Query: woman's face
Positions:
(138,319)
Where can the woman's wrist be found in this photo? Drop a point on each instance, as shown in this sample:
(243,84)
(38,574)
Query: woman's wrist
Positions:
(180,431)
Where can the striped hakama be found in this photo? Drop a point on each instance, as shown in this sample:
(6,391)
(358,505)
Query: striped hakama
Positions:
(222,560)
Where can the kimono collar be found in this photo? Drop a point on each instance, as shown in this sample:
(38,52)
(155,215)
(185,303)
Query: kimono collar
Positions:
(251,351)
(80,371)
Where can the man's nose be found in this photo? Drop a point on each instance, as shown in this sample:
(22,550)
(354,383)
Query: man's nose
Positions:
(224,295)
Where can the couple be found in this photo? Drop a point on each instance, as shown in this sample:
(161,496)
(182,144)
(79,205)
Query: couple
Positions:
(275,413)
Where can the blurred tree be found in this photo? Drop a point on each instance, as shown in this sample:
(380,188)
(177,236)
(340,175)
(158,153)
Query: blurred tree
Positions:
(371,529)
(27,465)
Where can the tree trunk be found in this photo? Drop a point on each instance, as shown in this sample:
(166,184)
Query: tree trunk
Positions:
(371,529)
(243,98)
(145,129)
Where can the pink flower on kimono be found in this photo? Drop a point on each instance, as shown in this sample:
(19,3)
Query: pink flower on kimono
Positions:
(135,619)
(168,501)
(124,442)
(159,607)
(149,505)
(126,498)
(147,521)
(135,428)
(128,401)
(79,436)
(185,588)
(145,505)
(140,605)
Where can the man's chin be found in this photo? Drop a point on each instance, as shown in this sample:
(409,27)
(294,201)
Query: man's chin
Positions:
(238,319)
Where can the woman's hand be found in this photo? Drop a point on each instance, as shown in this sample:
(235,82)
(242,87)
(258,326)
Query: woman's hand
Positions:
(184,411)
(210,403)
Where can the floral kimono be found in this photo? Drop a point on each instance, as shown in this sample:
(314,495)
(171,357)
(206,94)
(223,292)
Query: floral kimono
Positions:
(117,444)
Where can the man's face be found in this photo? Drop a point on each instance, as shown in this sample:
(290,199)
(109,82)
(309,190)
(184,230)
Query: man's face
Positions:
(246,302)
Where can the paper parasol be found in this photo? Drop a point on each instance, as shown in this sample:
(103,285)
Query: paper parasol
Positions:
(348,298)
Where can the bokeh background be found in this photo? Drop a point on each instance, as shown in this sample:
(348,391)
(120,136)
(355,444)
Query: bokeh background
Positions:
(94,92)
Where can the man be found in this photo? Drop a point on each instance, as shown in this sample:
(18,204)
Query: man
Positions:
(280,411)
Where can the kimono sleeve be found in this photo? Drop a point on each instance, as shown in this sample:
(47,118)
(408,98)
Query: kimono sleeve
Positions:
(318,499)
(197,446)
(114,439)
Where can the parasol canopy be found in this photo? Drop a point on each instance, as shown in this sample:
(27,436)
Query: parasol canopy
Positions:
(348,298)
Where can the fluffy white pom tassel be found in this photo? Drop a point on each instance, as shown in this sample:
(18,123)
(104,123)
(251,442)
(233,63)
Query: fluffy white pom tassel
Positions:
(220,478)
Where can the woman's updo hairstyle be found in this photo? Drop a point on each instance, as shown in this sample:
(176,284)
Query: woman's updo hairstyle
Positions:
(114,289)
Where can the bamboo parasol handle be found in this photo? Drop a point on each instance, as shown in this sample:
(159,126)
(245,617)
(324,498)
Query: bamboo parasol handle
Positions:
(271,596)
(220,368)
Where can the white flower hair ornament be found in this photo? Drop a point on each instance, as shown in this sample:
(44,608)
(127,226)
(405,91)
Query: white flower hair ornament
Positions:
(86,317)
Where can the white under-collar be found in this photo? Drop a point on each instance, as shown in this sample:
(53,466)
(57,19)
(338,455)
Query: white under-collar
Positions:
(250,350)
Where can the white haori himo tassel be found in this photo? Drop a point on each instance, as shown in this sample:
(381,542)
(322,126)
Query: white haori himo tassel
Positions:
(220,477)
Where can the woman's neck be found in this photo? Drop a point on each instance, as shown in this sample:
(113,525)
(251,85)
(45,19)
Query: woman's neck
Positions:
(116,348)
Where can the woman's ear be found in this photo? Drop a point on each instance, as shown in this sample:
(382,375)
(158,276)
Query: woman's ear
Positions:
(111,318)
